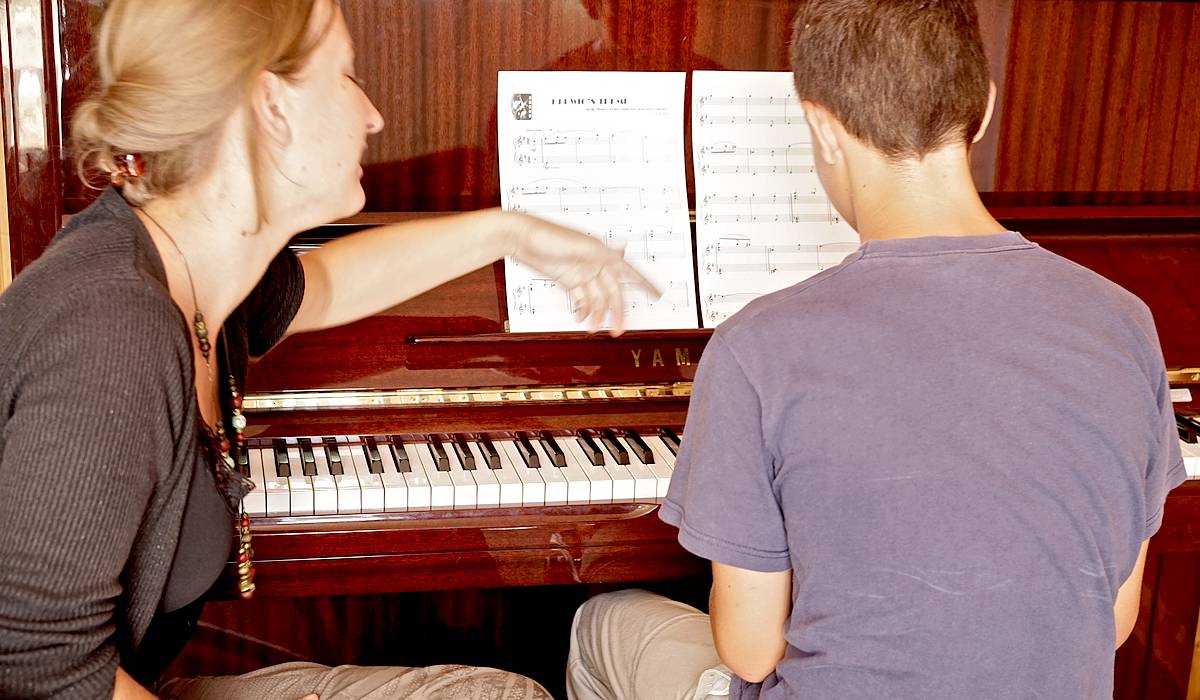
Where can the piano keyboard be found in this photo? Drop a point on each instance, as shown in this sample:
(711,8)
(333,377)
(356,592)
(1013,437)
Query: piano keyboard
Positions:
(344,475)
(1191,458)
(397,473)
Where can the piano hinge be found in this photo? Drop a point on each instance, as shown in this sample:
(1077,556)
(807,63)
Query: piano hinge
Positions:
(309,400)
(1188,375)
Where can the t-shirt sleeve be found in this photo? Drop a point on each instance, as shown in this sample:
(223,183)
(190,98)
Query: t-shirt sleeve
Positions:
(87,442)
(273,303)
(1164,469)
(722,497)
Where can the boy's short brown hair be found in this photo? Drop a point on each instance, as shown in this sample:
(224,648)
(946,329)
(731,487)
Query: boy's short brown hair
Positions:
(905,77)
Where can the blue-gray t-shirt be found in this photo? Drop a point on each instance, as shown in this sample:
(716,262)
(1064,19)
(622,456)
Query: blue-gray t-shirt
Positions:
(957,445)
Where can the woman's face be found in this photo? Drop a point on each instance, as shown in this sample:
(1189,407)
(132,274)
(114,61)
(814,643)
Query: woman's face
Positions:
(330,119)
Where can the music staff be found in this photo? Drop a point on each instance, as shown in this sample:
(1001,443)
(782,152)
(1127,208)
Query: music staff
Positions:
(553,149)
(727,158)
(541,296)
(793,208)
(644,244)
(718,307)
(738,254)
(584,199)
(750,110)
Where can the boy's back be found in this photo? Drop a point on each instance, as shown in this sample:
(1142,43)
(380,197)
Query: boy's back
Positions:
(957,445)
(930,471)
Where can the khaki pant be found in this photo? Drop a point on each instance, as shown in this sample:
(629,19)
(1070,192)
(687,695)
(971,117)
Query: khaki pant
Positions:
(295,680)
(635,645)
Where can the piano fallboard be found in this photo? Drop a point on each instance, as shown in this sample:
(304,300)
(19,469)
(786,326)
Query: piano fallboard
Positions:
(395,552)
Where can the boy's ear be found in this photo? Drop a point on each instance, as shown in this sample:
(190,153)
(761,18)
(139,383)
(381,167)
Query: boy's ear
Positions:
(825,140)
(987,114)
(267,102)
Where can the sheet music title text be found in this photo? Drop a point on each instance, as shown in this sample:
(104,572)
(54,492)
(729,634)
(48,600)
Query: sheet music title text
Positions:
(589,100)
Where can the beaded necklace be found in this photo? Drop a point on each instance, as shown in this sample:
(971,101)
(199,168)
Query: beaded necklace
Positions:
(232,482)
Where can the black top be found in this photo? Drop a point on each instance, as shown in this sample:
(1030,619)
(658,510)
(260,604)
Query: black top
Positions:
(109,513)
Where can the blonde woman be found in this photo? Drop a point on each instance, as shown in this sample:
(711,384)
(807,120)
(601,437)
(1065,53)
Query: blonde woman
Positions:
(224,127)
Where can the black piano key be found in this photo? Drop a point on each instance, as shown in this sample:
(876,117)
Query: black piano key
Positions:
(1189,428)
(243,461)
(614,446)
(333,457)
(371,450)
(307,459)
(465,457)
(639,446)
(439,453)
(283,468)
(489,452)
(590,448)
(670,439)
(402,464)
(527,452)
(550,445)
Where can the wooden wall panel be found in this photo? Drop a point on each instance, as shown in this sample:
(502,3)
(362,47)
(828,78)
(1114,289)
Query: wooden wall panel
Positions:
(5,257)
(1101,96)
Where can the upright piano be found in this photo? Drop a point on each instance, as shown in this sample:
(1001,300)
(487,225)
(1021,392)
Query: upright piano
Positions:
(434,488)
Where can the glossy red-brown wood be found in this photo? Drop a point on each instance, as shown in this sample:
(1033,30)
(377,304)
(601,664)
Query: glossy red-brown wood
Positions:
(482,549)
(1100,118)
(1101,97)
(1155,254)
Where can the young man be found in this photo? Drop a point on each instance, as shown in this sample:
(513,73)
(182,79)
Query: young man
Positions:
(929,472)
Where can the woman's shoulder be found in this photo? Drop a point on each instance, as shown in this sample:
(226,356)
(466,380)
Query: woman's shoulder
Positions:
(105,241)
(101,256)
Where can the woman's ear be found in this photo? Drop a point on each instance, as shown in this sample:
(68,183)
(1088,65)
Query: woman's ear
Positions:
(268,102)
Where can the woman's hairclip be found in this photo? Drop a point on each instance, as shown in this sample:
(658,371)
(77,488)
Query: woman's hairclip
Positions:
(130,166)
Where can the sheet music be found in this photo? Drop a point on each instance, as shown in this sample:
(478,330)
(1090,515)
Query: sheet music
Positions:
(603,153)
(763,221)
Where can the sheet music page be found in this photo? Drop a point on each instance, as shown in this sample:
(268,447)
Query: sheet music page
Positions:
(601,152)
(763,221)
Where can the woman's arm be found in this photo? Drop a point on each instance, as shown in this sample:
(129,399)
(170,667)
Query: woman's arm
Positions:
(125,688)
(373,270)
(87,445)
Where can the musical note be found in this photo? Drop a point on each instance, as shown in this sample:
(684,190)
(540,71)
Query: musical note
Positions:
(763,222)
(612,168)
(748,109)
(553,149)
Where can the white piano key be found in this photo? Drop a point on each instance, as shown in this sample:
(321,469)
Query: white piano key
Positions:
(466,493)
(579,486)
(645,481)
(349,494)
(510,484)
(441,487)
(279,496)
(370,485)
(533,487)
(600,489)
(420,490)
(622,479)
(325,493)
(664,463)
(556,482)
(662,453)
(489,486)
(1191,458)
(299,484)
(255,502)
(395,487)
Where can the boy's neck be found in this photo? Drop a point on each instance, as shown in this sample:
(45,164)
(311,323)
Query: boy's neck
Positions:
(931,197)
